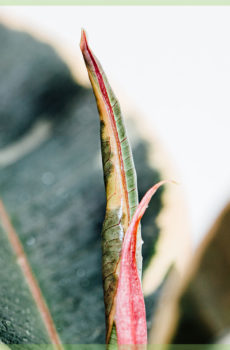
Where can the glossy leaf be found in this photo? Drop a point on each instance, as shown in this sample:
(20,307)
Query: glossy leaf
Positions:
(47,165)
(24,291)
(50,171)
(130,307)
(120,181)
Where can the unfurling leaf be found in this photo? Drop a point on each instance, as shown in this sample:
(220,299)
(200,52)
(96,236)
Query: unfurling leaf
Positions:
(121,236)
(120,183)
(130,307)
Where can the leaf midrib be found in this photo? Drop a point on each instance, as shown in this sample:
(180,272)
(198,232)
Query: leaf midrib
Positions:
(30,279)
(113,123)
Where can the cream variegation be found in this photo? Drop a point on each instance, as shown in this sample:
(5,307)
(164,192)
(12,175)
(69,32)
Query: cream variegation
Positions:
(120,182)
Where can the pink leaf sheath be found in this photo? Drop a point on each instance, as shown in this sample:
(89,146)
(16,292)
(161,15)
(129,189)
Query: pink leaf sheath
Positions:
(130,307)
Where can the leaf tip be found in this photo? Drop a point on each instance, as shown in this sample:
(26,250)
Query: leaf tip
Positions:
(83,42)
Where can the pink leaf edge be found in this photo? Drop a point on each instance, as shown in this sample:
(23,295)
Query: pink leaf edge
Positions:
(130,312)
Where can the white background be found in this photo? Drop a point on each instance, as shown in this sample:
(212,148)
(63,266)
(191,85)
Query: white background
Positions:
(174,63)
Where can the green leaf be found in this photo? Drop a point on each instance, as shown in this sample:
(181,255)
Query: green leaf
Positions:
(52,187)
(27,318)
(45,190)
(205,301)
(120,181)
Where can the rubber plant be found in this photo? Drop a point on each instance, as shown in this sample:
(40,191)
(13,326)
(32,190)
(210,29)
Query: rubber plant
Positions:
(26,317)
(121,233)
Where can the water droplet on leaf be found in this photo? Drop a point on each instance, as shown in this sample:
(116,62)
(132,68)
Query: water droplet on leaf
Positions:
(48,178)
(31,241)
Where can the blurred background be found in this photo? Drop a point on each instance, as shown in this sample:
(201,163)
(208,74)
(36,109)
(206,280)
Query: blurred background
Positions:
(169,67)
(172,64)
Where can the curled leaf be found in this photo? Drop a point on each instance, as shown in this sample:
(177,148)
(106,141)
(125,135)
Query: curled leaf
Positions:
(130,307)
(120,182)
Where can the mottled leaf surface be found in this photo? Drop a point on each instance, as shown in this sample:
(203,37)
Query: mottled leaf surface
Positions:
(54,196)
(20,319)
(120,181)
